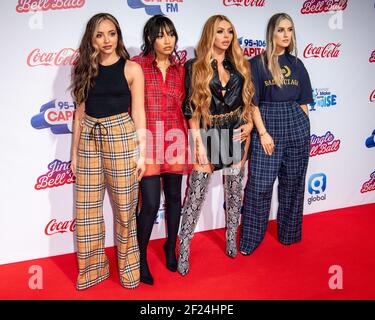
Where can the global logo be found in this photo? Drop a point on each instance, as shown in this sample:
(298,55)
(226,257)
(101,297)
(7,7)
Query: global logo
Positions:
(153,7)
(370,141)
(56,115)
(323,98)
(317,185)
(252,48)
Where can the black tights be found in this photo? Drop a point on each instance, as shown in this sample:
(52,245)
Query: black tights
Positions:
(150,191)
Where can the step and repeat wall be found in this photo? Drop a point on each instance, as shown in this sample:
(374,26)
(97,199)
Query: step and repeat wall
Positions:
(40,40)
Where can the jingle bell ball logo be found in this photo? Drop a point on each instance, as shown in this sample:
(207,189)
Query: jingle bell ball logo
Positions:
(323,99)
(317,186)
(59,227)
(252,48)
(369,185)
(330,50)
(44,5)
(326,143)
(372,57)
(318,6)
(244,3)
(58,174)
(56,115)
(153,7)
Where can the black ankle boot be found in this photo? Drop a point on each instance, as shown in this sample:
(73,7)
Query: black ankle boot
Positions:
(145,274)
(170,257)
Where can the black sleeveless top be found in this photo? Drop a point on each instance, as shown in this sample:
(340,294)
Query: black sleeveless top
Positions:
(110,94)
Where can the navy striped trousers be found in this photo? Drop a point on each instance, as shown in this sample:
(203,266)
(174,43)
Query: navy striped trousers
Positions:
(289,126)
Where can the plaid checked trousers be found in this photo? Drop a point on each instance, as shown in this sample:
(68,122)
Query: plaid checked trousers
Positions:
(107,156)
(289,126)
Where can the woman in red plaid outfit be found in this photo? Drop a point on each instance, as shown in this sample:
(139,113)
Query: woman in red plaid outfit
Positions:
(166,147)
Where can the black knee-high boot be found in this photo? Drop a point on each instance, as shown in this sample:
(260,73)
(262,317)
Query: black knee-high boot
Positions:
(150,190)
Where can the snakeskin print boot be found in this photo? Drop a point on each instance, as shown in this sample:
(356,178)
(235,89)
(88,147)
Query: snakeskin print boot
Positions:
(233,203)
(190,214)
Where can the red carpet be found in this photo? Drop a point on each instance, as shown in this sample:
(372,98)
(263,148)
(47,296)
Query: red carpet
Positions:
(344,237)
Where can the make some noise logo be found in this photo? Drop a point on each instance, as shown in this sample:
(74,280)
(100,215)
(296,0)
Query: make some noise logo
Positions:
(252,48)
(323,99)
(57,115)
(153,7)
(369,185)
(64,57)
(317,186)
(323,144)
(56,227)
(330,50)
(44,5)
(59,173)
(244,3)
(318,6)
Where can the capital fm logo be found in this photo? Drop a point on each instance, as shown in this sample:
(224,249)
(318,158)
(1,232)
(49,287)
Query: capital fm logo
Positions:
(64,57)
(369,185)
(370,141)
(244,3)
(323,99)
(317,186)
(58,174)
(326,143)
(372,96)
(252,48)
(56,115)
(56,227)
(153,7)
(330,50)
(318,6)
(44,5)
(160,216)
(372,57)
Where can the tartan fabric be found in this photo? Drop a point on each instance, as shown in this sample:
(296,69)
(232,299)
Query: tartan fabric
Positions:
(167,139)
(107,156)
(289,127)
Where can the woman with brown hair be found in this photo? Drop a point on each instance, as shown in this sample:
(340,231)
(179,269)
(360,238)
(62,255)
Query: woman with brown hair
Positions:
(219,92)
(105,150)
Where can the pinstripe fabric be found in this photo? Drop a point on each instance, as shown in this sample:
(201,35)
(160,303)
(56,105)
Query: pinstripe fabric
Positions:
(107,155)
(289,127)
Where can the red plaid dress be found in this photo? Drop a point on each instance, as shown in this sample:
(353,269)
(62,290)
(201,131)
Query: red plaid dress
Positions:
(167,139)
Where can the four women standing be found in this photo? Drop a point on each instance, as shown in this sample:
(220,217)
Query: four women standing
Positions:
(219,107)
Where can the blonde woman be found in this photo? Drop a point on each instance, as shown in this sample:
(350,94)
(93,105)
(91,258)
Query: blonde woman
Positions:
(280,145)
(219,92)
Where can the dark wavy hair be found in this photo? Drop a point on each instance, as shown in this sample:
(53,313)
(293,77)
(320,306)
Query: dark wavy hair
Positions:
(152,29)
(86,67)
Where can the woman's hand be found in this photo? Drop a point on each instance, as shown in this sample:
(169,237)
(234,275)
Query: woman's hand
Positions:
(200,153)
(141,168)
(73,164)
(267,143)
(241,133)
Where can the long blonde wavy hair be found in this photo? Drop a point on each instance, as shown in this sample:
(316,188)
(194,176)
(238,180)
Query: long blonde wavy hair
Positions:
(86,67)
(202,72)
(270,57)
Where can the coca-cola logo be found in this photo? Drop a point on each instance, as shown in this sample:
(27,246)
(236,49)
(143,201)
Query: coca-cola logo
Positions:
(331,50)
(372,57)
(318,6)
(54,227)
(244,3)
(59,173)
(64,57)
(369,185)
(44,5)
(372,96)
